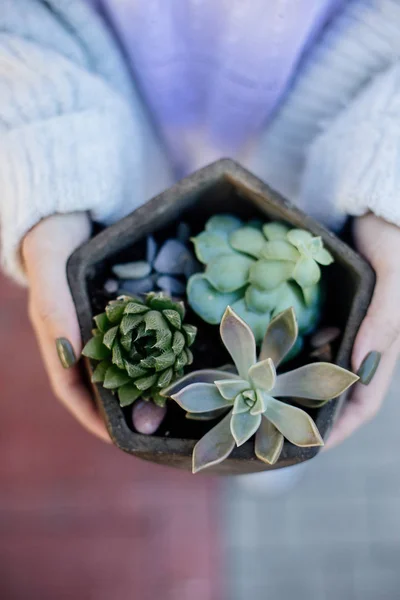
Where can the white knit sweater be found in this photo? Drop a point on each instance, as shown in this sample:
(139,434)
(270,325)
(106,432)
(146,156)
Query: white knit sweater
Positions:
(74,136)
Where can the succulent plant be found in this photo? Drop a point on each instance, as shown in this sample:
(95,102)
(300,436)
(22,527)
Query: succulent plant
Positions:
(259,270)
(166,268)
(141,345)
(251,395)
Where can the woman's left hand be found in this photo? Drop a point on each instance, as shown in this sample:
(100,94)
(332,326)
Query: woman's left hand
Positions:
(379,242)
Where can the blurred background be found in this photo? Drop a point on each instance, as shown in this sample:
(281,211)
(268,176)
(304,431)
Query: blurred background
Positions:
(81,520)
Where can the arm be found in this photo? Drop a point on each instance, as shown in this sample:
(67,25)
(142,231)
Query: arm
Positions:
(354,165)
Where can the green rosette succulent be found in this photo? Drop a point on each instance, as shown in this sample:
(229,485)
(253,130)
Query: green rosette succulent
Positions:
(259,270)
(141,345)
(250,399)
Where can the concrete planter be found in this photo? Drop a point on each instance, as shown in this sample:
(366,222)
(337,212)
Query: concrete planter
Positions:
(223,186)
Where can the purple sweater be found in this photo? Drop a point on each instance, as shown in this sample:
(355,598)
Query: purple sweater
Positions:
(213,71)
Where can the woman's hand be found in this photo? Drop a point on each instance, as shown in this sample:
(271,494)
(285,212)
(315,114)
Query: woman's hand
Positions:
(45,250)
(379,242)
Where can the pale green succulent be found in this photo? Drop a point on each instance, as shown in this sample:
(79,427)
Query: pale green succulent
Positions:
(259,270)
(251,395)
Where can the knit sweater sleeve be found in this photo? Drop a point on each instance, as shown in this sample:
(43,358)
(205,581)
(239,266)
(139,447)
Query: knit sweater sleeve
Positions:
(354,165)
(72,137)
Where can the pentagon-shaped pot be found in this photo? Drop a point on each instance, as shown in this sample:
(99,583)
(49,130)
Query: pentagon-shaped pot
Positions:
(223,186)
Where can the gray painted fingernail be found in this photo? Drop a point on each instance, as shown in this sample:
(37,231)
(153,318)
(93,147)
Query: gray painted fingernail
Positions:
(368,367)
(65,352)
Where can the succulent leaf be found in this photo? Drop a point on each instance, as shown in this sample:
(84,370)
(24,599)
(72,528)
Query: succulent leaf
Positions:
(280,250)
(190,333)
(268,274)
(117,356)
(173,317)
(280,337)
(259,405)
(200,397)
(311,295)
(275,231)
(95,348)
(102,322)
(209,416)
(128,323)
(214,447)
(323,257)
(223,224)
(269,442)
(209,245)
(127,394)
(229,272)
(306,272)
(256,321)
(99,372)
(263,375)
(230,388)
(294,424)
(206,301)
(239,340)
(178,343)
(109,337)
(307,316)
(115,310)
(115,378)
(135,308)
(321,381)
(247,240)
(262,301)
(240,405)
(243,426)
(299,237)
(203,376)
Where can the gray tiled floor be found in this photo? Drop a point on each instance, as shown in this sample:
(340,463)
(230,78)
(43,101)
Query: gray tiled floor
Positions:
(336,536)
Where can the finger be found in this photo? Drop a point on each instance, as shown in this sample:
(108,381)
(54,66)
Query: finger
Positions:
(67,384)
(379,331)
(364,402)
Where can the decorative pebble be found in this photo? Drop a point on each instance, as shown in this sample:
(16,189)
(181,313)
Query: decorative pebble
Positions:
(132,270)
(323,336)
(137,286)
(147,417)
(323,353)
(171,285)
(151,249)
(111,286)
(172,258)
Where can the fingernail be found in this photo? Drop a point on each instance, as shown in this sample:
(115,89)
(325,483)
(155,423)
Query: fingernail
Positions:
(65,352)
(368,367)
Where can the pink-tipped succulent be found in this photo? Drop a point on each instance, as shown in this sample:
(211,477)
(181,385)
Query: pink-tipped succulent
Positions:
(251,395)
